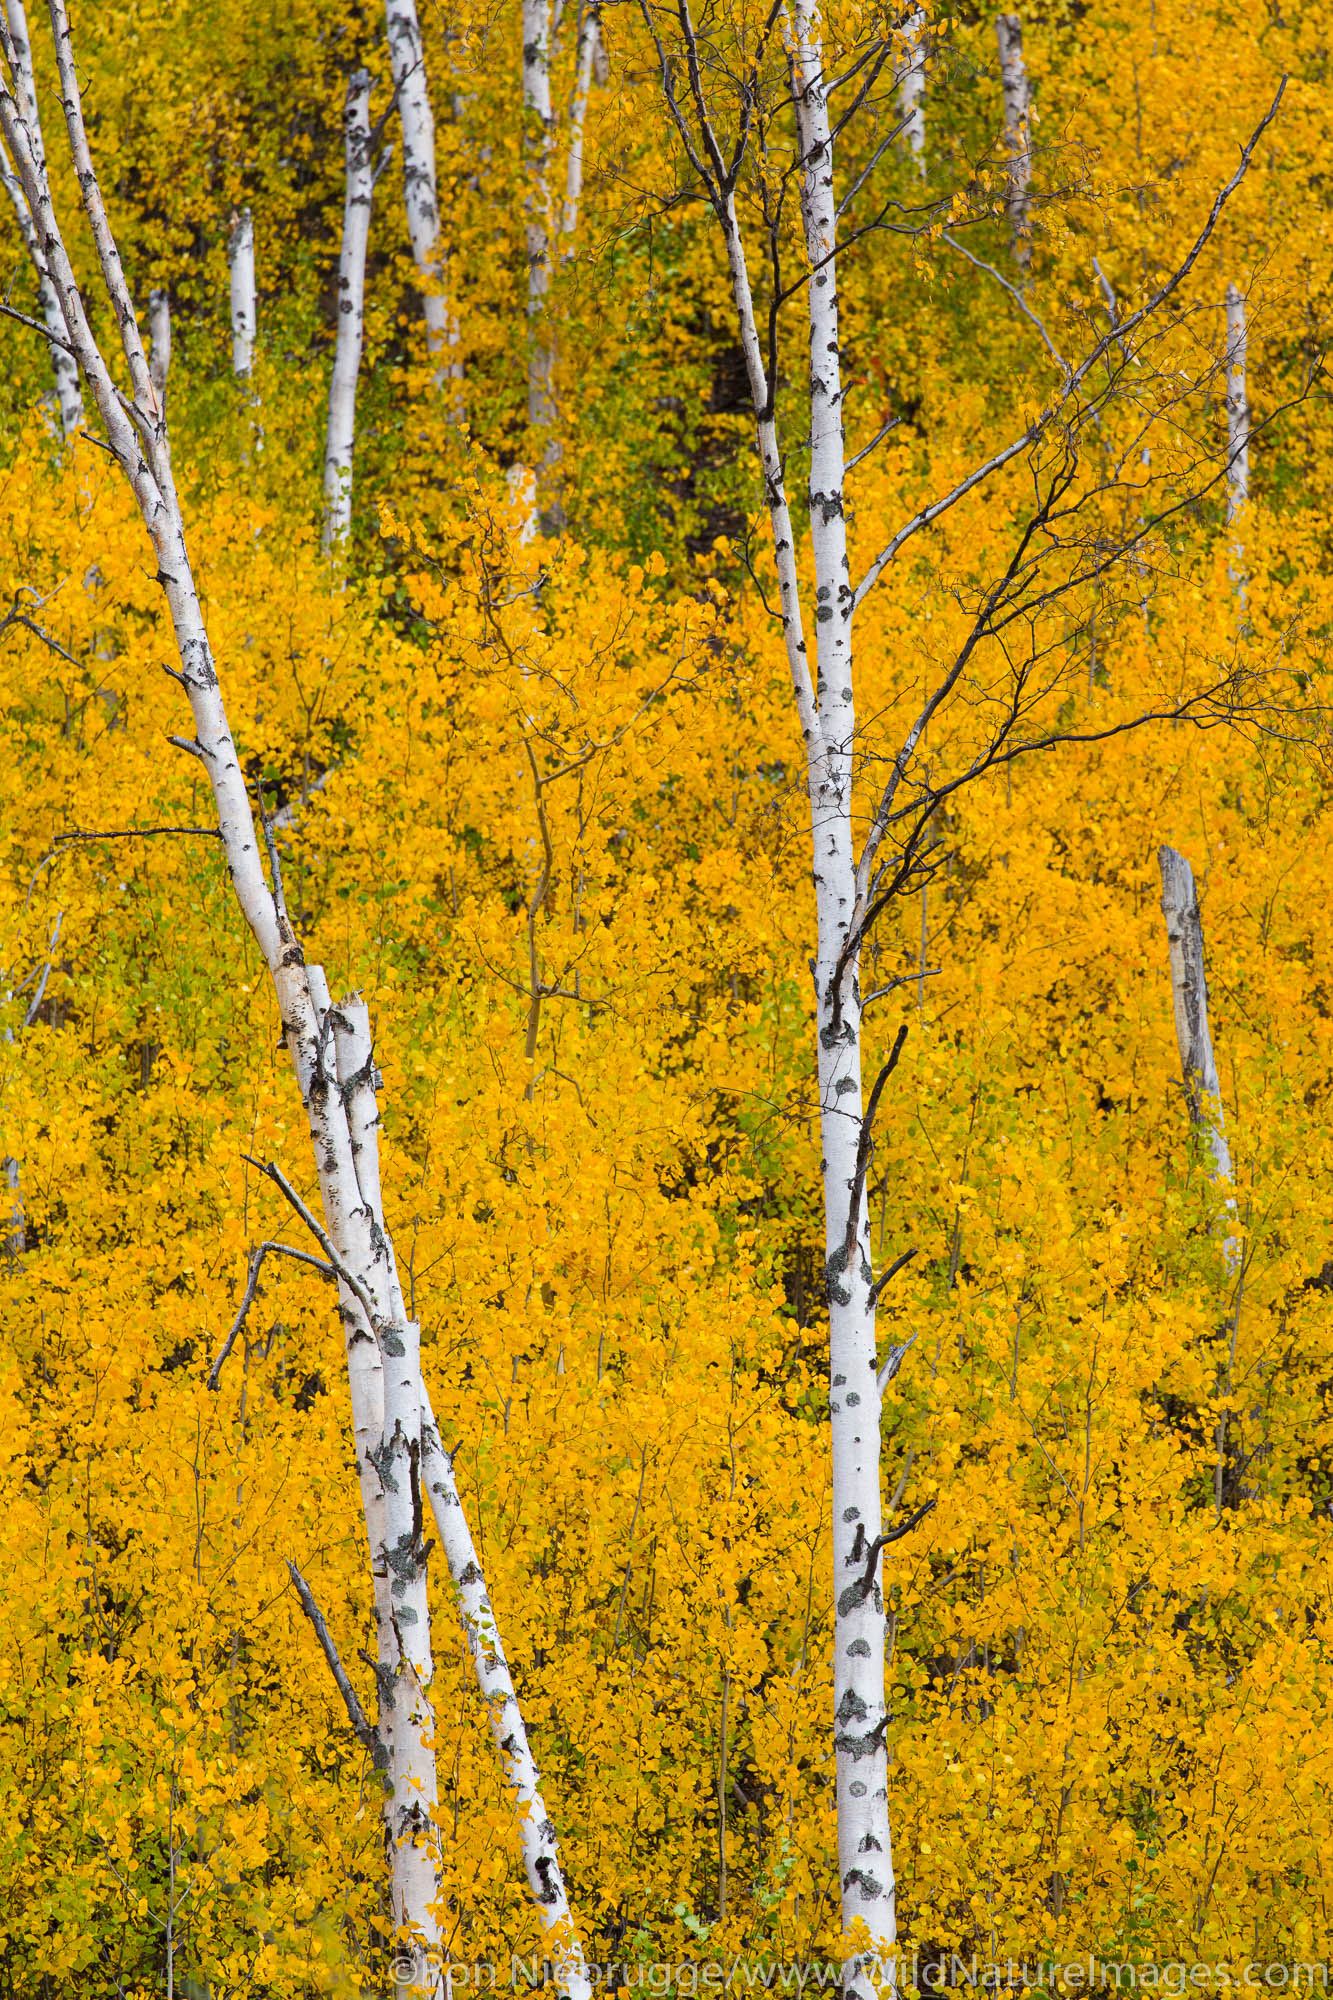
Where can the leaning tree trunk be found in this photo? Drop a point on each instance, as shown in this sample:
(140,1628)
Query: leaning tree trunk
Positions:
(356,1072)
(351,312)
(1017,132)
(391,1415)
(64,368)
(1189,992)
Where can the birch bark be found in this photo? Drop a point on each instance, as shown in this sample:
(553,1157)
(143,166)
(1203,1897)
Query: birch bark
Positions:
(865,1848)
(420,197)
(1017,135)
(241,268)
(912,88)
(64,368)
(1189,992)
(585,62)
(1238,410)
(351,312)
(406,1715)
(358,1081)
(159,330)
(1238,434)
(537,203)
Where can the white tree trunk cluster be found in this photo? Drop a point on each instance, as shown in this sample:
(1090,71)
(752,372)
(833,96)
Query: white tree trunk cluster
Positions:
(396,1436)
(1017,132)
(351,311)
(1189,993)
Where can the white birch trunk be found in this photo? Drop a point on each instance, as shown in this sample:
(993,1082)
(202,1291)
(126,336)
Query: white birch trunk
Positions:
(912,88)
(420,198)
(537,204)
(1017,131)
(159,330)
(1238,409)
(241,266)
(351,312)
(826,712)
(16,1227)
(585,63)
(1238,434)
(865,1848)
(405,1693)
(1189,992)
(64,368)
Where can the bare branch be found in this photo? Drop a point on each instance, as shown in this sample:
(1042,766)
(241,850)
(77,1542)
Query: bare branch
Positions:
(362,1729)
(280,1181)
(252,1280)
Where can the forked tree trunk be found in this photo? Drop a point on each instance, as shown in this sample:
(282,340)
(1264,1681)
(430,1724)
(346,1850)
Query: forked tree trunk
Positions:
(912,87)
(357,1078)
(1017,132)
(64,368)
(241,266)
(391,1417)
(1189,992)
(420,196)
(351,312)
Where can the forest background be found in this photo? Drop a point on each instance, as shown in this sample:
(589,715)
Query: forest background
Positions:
(539,797)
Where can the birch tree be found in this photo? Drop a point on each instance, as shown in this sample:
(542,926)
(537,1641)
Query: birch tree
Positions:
(159,333)
(69,401)
(912,87)
(547,228)
(1017,132)
(1238,431)
(329,1047)
(351,311)
(860,871)
(241,271)
(420,194)
(586,56)
(1189,995)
